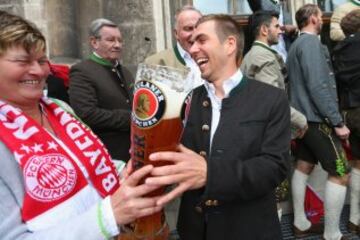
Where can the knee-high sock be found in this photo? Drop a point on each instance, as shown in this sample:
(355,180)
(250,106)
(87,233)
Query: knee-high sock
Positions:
(334,202)
(354,196)
(298,186)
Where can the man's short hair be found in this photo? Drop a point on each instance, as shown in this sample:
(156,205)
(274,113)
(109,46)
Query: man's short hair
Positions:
(184,9)
(304,13)
(226,26)
(350,24)
(16,31)
(260,18)
(97,24)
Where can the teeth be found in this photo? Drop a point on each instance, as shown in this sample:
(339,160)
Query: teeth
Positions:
(201,61)
(31,81)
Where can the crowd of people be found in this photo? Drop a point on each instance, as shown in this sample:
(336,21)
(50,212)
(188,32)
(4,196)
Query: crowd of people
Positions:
(63,173)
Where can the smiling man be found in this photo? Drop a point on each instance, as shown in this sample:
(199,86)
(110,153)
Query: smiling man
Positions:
(178,56)
(100,90)
(235,145)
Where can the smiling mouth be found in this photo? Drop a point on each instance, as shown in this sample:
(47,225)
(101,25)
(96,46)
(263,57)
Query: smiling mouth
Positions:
(30,82)
(201,61)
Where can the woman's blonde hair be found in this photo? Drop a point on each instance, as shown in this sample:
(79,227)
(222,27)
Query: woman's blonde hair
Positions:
(16,31)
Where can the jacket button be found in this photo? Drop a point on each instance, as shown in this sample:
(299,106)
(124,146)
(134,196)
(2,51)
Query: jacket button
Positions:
(331,73)
(205,127)
(122,85)
(205,103)
(211,203)
(202,153)
(127,101)
(198,209)
(113,70)
(208,203)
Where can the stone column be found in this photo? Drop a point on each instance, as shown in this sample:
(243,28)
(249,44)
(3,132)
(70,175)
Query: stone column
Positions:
(136,22)
(60,20)
(34,12)
(86,12)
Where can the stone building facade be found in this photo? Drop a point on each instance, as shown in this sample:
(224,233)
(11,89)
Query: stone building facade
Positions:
(146,25)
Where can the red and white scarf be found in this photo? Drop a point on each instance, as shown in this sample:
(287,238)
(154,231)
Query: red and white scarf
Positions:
(58,169)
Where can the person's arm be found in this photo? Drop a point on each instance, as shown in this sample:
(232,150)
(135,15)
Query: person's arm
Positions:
(84,101)
(336,33)
(98,222)
(84,226)
(299,122)
(267,72)
(263,68)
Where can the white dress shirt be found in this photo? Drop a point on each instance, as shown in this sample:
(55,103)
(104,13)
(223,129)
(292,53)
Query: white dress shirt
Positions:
(216,102)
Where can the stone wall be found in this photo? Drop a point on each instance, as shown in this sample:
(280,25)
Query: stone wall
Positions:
(146,25)
(65,25)
(12,6)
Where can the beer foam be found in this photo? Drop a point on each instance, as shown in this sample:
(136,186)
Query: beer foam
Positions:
(174,100)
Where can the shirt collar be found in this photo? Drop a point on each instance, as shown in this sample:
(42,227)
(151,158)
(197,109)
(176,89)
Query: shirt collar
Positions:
(228,84)
(182,52)
(302,32)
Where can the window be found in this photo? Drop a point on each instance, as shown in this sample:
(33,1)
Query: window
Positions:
(234,7)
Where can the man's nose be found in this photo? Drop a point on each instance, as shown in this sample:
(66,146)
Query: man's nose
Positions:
(193,49)
(118,44)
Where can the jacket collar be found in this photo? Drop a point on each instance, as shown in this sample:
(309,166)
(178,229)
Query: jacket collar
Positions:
(94,57)
(356,2)
(178,55)
(263,45)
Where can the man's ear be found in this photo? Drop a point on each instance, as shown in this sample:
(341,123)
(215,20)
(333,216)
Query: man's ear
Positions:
(93,42)
(312,19)
(264,30)
(231,45)
(175,34)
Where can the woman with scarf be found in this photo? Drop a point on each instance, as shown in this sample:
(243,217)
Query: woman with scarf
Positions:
(57,180)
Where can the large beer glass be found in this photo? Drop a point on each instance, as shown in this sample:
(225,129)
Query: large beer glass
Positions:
(161,97)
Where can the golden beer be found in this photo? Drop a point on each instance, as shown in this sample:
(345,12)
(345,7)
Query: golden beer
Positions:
(161,97)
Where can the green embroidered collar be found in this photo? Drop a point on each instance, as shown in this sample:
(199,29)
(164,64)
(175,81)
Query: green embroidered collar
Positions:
(356,2)
(100,60)
(241,84)
(263,45)
(178,56)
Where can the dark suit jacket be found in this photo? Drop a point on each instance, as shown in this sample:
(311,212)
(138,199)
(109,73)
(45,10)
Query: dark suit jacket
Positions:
(249,157)
(56,88)
(103,101)
(347,67)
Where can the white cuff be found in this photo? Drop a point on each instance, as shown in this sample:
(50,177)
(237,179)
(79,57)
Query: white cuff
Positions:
(108,218)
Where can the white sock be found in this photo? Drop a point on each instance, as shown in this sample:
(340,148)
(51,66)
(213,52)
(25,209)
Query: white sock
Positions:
(279,210)
(334,202)
(354,196)
(298,186)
